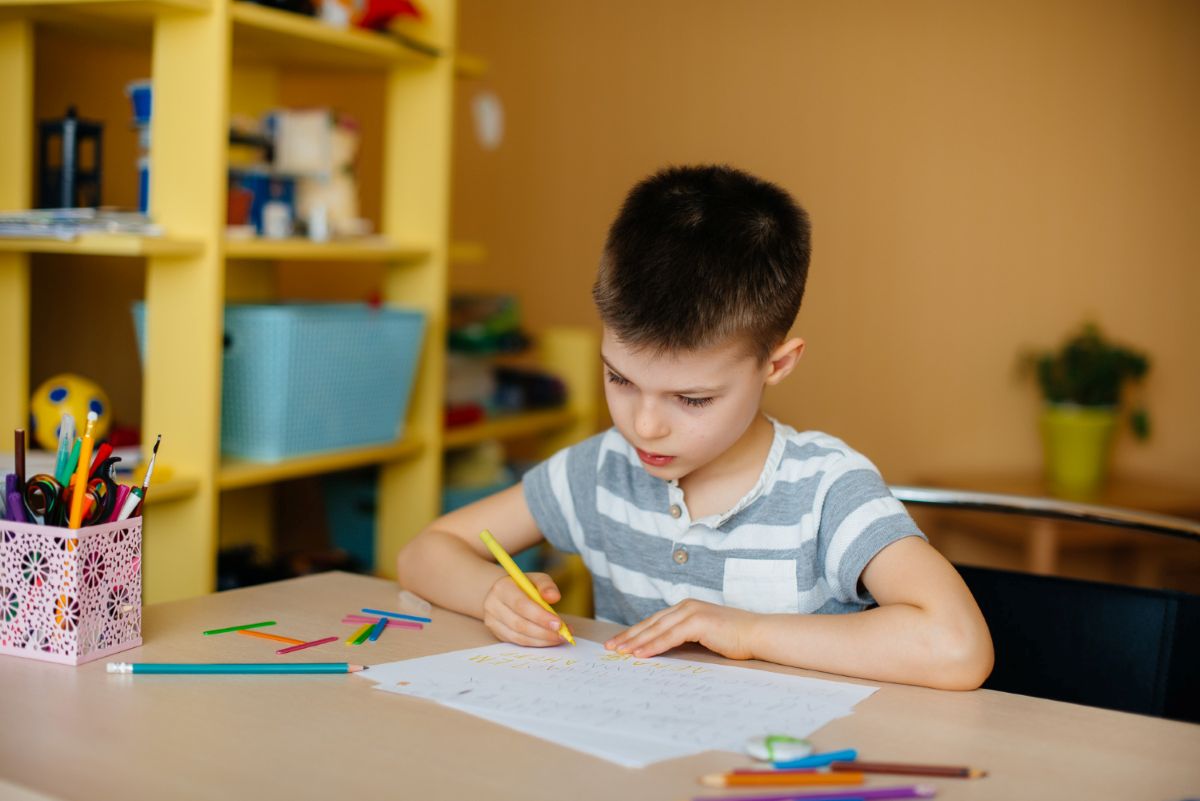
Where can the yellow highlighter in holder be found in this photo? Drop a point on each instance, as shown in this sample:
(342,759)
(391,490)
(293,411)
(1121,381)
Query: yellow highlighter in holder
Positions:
(522,580)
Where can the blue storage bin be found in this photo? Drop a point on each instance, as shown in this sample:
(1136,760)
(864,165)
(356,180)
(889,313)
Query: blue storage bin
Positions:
(306,378)
(315,377)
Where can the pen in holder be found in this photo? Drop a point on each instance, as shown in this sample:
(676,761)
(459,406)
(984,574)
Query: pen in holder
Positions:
(70,595)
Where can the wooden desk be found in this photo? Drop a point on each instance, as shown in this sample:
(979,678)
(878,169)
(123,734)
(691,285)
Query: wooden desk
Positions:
(1056,547)
(79,733)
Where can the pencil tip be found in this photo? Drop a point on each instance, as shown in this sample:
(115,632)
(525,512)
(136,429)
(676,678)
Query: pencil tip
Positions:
(712,780)
(975,773)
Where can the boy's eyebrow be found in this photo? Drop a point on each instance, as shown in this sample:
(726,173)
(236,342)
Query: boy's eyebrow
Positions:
(689,391)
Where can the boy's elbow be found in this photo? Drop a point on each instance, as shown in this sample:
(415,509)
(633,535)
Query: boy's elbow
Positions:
(408,562)
(966,659)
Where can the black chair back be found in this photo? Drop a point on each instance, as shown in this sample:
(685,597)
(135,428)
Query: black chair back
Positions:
(1106,645)
(1126,648)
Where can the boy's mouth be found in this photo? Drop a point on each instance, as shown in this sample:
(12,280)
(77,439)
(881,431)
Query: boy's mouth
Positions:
(654,459)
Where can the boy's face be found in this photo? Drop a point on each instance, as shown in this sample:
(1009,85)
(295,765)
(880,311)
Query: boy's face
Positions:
(682,411)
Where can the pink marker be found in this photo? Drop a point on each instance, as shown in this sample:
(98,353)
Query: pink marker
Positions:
(122,494)
(303,645)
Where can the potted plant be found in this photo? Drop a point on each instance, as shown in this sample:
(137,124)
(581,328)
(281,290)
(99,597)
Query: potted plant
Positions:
(1082,383)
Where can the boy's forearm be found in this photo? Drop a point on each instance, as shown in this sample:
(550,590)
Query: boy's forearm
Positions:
(897,643)
(444,570)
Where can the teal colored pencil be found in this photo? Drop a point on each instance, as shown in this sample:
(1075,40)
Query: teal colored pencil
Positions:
(233,667)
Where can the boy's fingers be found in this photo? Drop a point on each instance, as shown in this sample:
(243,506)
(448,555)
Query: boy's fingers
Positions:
(507,634)
(546,586)
(622,640)
(529,617)
(529,632)
(656,626)
(529,609)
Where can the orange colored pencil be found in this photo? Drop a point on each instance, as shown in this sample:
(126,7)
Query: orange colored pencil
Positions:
(902,769)
(776,779)
(265,636)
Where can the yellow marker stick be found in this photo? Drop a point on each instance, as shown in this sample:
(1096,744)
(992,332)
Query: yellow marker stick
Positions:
(81,473)
(522,580)
(360,632)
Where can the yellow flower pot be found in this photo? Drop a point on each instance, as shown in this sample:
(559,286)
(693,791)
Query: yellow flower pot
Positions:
(1077,442)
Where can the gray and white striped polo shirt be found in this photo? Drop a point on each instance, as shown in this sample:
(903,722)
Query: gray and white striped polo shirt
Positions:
(797,542)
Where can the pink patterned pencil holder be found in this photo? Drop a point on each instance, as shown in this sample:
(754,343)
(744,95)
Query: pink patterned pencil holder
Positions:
(70,596)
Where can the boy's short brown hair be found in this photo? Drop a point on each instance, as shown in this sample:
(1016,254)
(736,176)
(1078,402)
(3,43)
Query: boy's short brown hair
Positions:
(701,255)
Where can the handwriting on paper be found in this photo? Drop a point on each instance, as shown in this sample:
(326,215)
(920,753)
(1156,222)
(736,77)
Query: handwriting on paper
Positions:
(708,705)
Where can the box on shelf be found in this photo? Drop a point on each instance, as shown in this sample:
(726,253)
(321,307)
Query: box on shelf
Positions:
(306,378)
(70,595)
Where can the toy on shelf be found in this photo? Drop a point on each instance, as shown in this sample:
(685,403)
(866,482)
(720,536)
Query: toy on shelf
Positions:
(70,394)
(300,176)
(141,94)
(66,178)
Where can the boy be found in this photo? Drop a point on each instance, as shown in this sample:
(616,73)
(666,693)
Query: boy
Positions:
(700,519)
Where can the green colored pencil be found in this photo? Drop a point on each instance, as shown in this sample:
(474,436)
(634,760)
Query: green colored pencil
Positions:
(239,628)
(233,667)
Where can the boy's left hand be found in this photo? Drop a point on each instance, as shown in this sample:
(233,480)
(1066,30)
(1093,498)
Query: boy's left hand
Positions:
(718,628)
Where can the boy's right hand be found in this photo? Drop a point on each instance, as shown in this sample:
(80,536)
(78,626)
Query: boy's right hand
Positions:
(513,616)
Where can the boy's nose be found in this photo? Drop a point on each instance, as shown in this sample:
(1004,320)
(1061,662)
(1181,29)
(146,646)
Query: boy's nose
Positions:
(648,422)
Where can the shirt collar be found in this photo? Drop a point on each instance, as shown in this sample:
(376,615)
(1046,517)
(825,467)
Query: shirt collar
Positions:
(770,466)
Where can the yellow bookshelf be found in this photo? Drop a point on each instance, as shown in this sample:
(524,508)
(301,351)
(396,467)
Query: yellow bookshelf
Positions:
(240,473)
(197,47)
(280,37)
(374,249)
(172,489)
(107,245)
(513,426)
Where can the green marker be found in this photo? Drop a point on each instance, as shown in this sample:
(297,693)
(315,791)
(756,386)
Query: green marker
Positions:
(239,628)
(72,462)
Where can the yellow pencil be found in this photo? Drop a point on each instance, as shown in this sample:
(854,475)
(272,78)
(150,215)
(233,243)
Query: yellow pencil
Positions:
(81,473)
(522,580)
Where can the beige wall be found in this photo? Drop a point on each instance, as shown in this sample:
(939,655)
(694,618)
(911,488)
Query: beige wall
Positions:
(980,177)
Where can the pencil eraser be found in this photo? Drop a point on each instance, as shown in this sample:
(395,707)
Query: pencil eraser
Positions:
(778,748)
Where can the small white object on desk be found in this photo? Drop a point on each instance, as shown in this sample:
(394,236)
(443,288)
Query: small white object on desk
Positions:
(778,748)
(410,602)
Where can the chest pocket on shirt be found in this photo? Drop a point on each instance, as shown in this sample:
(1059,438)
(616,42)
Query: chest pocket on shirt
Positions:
(761,585)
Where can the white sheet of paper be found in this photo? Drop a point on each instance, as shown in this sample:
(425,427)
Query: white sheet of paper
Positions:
(685,705)
(629,752)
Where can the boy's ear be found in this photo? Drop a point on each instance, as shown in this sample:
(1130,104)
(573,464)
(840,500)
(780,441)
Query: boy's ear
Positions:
(783,360)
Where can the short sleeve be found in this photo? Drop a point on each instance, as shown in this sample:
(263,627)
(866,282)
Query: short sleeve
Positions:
(561,494)
(859,518)
(538,485)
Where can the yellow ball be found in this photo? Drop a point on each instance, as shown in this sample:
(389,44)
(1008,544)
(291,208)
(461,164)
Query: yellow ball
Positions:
(67,393)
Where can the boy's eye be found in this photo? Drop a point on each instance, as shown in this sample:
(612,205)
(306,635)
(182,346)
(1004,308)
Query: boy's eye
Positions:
(616,379)
(695,402)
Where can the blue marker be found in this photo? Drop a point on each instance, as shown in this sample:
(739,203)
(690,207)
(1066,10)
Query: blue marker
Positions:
(819,760)
(397,615)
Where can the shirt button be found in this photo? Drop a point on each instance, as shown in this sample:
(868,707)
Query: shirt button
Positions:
(675,511)
(680,556)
